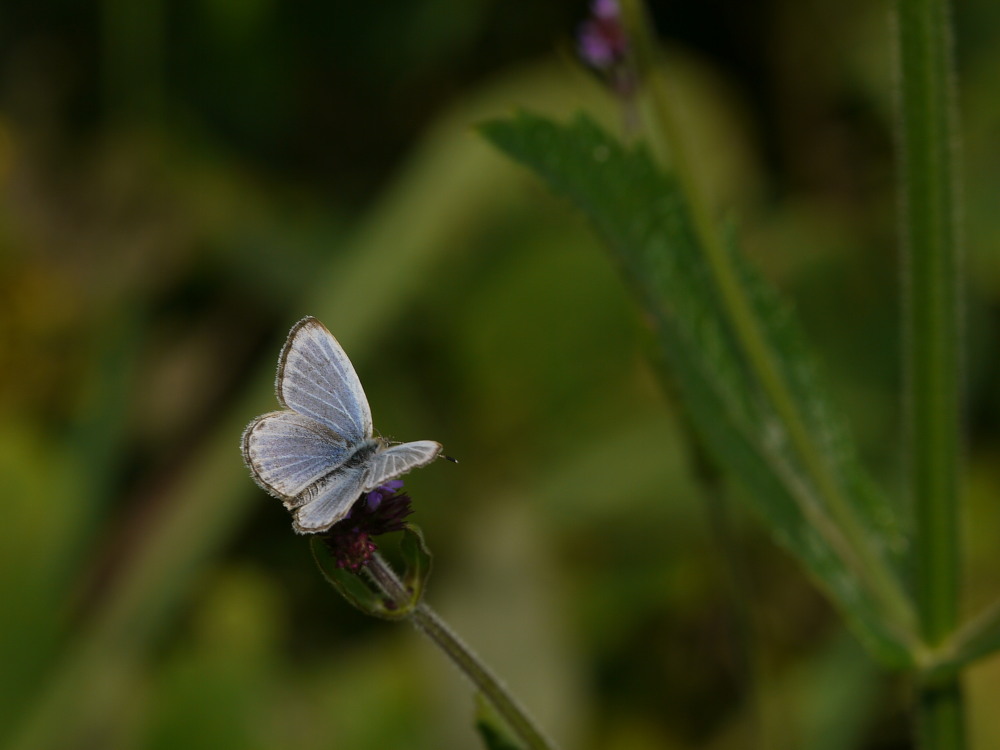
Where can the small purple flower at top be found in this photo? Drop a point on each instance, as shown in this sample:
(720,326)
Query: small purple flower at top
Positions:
(374,498)
(602,42)
(374,513)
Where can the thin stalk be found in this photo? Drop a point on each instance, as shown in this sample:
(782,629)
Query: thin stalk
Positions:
(931,312)
(858,549)
(493,690)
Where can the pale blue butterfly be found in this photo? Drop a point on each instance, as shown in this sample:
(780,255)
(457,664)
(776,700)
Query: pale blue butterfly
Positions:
(318,455)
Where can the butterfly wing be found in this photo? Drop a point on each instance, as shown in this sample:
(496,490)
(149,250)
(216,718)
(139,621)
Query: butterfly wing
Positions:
(398,460)
(329,500)
(287,453)
(319,456)
(316,379)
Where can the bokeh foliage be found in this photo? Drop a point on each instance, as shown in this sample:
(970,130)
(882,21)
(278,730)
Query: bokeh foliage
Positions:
(182,181)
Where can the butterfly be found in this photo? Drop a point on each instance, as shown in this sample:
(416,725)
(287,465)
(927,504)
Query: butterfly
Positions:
(318,454)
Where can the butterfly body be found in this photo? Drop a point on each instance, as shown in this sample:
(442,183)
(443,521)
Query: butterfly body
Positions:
(319,454)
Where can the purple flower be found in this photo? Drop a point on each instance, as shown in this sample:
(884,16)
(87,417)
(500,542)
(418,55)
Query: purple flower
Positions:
(603,43)
(377,512)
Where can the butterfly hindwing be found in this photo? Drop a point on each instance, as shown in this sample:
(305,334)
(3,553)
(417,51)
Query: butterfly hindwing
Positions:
(328,501)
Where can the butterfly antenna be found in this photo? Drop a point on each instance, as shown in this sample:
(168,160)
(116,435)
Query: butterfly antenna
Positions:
(449,458)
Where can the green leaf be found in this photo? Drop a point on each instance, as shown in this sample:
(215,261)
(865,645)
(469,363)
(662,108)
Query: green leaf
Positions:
(358,588)
(354,587)
(417,557)
(643,216)
(492,731)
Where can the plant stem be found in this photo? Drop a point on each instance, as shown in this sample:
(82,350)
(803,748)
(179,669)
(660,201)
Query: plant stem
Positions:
(977,638)
(940,719)
(431,624)
(846,535)
(928,133)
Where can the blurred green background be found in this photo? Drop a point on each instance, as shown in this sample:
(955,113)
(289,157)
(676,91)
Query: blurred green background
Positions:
(182,181)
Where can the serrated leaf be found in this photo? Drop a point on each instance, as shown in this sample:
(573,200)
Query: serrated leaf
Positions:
(642,215)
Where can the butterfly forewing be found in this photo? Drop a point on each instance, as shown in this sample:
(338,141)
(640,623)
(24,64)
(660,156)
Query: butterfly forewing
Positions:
(395,461)
(289,452)
(316,379)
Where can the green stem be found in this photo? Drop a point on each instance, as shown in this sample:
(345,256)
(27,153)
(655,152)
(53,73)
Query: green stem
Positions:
(977,638)
(492,689)
(940,720)
(849,539)
(928,133)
